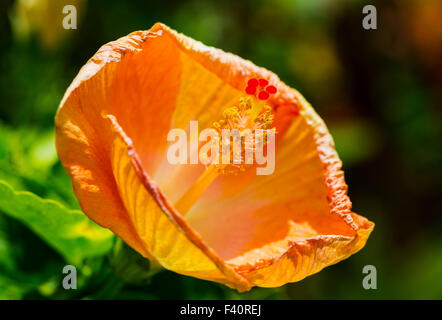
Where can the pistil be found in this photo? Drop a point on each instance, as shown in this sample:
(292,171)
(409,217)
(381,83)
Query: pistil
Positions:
(249,115)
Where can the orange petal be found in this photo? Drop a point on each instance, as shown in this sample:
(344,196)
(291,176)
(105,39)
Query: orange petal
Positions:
(111,190)
(303,203)
(164,233)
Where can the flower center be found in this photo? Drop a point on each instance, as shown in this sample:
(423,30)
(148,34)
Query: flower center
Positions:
(249,122)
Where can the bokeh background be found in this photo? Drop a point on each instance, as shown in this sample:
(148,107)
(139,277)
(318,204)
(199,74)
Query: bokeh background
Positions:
(379,92)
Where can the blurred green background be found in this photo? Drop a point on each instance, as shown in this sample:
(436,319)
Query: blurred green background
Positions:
(379,92)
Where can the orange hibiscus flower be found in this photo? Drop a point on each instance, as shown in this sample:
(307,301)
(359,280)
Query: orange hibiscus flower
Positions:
(240,229)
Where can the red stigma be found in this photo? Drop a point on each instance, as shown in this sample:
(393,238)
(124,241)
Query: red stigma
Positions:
(265,89)
(263,82)
(271,89)
(250,89)
(252,82)
(263,95)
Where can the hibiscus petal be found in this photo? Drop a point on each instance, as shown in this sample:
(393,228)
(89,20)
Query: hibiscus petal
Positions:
(82,136)
(306,257)
(304,201)
(95,152)
(164,233)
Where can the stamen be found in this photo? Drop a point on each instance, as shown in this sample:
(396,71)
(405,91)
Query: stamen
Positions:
(248,116)
(186,202)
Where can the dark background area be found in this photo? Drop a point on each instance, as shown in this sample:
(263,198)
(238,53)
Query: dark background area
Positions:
(378,91)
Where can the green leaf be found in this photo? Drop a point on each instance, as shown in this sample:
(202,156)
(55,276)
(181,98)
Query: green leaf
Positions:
(69,232)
